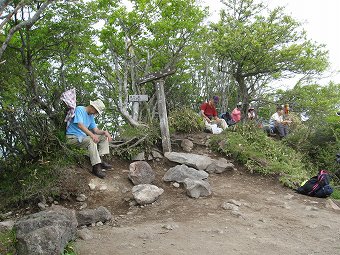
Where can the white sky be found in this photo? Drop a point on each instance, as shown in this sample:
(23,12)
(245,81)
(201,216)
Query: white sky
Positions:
(321,20)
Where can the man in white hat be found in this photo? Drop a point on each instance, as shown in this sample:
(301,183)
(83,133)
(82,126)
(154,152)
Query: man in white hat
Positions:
(83,132)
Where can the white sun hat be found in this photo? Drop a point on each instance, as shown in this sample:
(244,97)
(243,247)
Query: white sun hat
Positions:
(98,105)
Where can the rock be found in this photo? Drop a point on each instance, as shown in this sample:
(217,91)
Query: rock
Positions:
(219,166)
(232,201)
(141,173)
(229,206)
(81,198)
(175,184)
(156,154)
(6,225)
(84,234)
(139,157)
(187,145)
(42,206)
(92,186)
(91,216)
(181,172)
(103,187)
(197,188)
(46,232)
(146,193)
(83,206)
(199,162)
(170,226)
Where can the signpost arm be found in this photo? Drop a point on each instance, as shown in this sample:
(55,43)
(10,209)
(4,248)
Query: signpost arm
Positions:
(163,117)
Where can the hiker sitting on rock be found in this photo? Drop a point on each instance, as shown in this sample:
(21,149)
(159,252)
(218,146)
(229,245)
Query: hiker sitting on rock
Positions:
(209,114)
(278,124)
(83,132)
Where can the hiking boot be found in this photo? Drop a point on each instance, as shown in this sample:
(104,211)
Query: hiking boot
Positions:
(106,165)
(97,171)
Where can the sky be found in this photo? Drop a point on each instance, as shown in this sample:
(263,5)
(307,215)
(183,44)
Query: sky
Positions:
(321,20)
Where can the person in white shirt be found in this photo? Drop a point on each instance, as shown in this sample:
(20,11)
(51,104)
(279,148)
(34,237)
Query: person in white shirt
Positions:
(278,124)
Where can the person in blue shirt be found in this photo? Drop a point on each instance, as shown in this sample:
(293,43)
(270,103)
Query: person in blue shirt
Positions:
(83,132)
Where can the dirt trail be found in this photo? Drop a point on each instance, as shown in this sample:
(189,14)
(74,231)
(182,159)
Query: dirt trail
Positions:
(271,219)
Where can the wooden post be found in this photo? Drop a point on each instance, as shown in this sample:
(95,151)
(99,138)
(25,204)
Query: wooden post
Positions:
(157,79)
(163,116)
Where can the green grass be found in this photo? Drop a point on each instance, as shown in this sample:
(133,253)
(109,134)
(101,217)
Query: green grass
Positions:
(69,249)
(24,183)
(251,147)
(336,194)
(7,242)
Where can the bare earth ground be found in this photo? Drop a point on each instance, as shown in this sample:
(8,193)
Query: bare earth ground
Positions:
(272,219)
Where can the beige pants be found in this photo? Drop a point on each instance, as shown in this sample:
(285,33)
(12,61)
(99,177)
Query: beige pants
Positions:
(95,150)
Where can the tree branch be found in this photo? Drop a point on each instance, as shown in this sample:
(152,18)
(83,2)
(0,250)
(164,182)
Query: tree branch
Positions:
(26,23)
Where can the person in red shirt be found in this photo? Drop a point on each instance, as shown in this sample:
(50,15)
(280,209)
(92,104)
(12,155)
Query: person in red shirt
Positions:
(209,113)
(236,113)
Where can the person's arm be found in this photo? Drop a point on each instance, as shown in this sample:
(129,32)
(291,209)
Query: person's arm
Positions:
(102,132)
(88,132)
(286,122)
(217,118)
(205,117)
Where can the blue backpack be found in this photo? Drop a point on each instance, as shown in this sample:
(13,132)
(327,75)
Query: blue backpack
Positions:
(317,186)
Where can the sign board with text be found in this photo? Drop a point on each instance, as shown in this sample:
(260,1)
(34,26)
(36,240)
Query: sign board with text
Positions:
(138,98)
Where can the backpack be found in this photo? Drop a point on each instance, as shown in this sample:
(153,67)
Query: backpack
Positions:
(317,186)
(227,117)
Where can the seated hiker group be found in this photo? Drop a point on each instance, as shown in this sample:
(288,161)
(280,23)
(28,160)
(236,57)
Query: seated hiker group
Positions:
(83,132)
(278,123)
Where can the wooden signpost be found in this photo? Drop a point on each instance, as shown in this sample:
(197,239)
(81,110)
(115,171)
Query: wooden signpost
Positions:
(158,79)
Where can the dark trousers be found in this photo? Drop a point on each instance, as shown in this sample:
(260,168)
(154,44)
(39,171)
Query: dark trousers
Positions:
(282,130)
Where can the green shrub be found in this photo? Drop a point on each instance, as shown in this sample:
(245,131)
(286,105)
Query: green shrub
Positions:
(319,144)
(136,140)
(185,121)
(23,183)
(250,146)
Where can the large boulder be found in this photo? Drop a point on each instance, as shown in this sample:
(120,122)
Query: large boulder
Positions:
(141,173)
(181,172)
(146,193)
(199,162)
(46,232)
(219,166)
(197,188)
(187,145)
(90,216)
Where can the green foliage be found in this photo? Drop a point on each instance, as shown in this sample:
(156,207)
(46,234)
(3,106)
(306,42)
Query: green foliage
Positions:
(69,249)
(136,140)
(336,194)
(319,144)
(185,121)
(7,242)
(318,103)
(250,146)
(20,184)
(260,48)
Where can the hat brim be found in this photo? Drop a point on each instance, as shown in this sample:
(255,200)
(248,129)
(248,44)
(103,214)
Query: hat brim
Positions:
(92,103)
